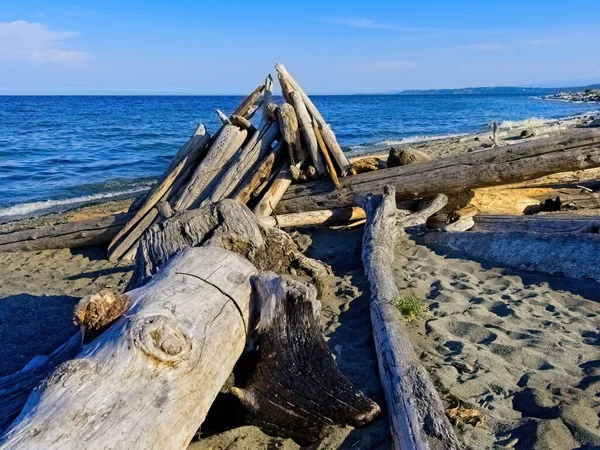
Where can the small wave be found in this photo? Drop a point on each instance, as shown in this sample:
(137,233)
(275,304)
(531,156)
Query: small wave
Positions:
(370,147)
(38,208)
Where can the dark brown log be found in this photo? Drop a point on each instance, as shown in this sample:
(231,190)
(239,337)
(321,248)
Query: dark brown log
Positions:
(578,149)
(97,231)
(417,415)
(302,394)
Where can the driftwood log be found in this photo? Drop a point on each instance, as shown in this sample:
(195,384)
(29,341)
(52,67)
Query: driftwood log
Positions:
(576,150)
(416,413)
(553,223)
(572,255)
(96,231)
(149,379)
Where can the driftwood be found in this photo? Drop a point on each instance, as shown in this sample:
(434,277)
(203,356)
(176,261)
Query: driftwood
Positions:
(538,224)
(327,158)
(307,132)
(187,156)
(572,255)
(417,415)
(579,149)
(460,225)
(320,217)
(227,142)
(250,104)
(328,135)
(260,174)
(271,198)
(97,231)
(243,162)
(288,123)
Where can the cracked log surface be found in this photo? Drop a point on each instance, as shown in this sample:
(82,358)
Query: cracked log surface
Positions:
(577,150)
(290,383)
(149,380)
(416,413)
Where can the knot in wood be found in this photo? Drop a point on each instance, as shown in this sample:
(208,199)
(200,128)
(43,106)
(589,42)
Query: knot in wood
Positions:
(162,339)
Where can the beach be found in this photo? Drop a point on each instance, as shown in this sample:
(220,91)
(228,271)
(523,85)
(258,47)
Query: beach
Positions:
(517,347)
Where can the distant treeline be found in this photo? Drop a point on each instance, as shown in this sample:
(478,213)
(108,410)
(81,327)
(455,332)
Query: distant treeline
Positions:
(496,90)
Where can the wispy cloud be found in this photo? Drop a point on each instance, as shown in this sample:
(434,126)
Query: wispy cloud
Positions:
(483,47)
(358,22)
(37,43)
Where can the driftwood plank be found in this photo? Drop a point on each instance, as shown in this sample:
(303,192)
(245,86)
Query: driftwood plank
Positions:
(579,149)
(417,415)
(537,224)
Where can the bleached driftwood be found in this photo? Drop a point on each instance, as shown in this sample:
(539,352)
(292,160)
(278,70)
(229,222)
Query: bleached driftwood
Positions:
(416,413)
(576,150)
(320,217)
(554,223)
(572,255)
(271,197)
(307,132)
(226,144)
(327,158)
(326,131)
(96,231)
(460,225)
(187,156)
(288,122)
(260,174)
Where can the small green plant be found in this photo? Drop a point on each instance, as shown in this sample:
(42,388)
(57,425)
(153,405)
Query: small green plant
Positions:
(411,307)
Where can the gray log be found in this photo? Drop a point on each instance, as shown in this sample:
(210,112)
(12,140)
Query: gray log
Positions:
(579,149)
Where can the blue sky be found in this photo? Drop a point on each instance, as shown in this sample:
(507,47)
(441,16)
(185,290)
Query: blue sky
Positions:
(227,47)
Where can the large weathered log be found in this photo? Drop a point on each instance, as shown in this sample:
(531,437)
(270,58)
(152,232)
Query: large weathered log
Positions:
(288,122)
(97,231)
(572,255)
(417,415)
(226,144)
(537,224)
(294,388)
(242,163)
(579,149)
(256,177)
(326,131)
(149,380)
(187,156)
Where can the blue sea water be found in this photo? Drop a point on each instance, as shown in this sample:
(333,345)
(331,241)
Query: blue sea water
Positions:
(56,151)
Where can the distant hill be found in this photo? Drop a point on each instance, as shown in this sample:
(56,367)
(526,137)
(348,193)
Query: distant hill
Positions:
(495,90)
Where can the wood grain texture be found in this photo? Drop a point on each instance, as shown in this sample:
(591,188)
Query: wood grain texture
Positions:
(537,224)
(307,132)
(276,190)
(579,149)
(416,413)
(149,380)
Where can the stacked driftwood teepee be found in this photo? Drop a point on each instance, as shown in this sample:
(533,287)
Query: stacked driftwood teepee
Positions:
(252,164)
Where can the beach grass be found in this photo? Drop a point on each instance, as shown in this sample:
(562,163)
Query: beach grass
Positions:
(411,307)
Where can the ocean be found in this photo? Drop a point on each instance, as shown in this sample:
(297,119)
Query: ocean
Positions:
(60,151)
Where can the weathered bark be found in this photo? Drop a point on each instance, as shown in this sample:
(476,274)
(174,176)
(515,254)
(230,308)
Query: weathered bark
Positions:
(250,104)
(572,255)
(242,163)
(327,158)
(326,131)
(579,149)
(320,217)
(290,383)
(226,144)
(538,224)
(271,198)
(187,156)
(230,225)
(82,233)
(307,132)
(149,380)
(417,416)
(256,177)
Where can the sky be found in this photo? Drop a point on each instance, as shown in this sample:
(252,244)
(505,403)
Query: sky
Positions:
(331,47)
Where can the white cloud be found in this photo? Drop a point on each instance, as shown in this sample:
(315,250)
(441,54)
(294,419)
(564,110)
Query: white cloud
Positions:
(368,23)
(37,43)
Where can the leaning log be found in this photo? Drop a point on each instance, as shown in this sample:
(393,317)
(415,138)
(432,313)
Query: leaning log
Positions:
(416,413)
(276,190)
(96,231)
(579,149)
(307,131)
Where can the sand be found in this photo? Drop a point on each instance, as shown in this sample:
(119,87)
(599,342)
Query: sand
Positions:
(523,349)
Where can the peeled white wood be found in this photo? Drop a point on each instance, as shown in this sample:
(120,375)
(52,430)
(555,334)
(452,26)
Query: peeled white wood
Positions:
(326,131)
(416,413)
(321,217)
(149,380)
